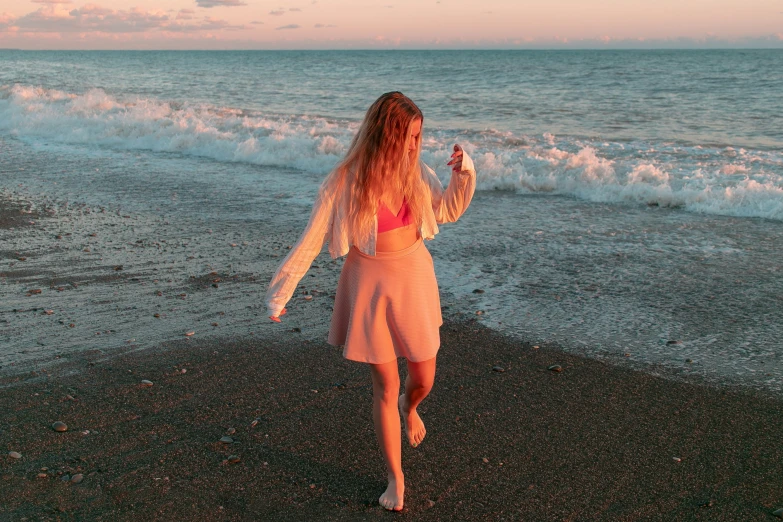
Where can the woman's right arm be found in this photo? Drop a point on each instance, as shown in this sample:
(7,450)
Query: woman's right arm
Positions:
(301,256)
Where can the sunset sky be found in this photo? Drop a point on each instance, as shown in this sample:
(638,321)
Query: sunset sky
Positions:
(363,24)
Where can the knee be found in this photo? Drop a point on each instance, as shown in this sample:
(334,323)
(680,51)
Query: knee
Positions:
(387,391)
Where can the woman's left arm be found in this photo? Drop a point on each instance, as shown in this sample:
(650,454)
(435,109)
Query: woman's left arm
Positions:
(450,204)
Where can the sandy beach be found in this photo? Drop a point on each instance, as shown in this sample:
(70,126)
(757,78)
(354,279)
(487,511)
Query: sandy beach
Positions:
(508,439)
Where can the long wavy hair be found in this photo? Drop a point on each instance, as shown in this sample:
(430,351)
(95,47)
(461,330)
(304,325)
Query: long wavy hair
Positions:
(380,163)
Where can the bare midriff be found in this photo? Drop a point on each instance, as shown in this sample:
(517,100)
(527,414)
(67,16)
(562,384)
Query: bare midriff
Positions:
(397,238)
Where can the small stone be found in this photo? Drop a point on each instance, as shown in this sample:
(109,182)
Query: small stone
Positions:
(254,423)
(34,291)
(485,460)
(183,370)
(498,369)
(86,432)
(308,298)
(189,334)
(778,513)
(479,312)
(231,431)
(215,324)
(535,347)
(233,459)
(59,426)
(430,503)
(70,397)
(673,342)
(145,383)
(478,291)
(555,368)
(42,475)
(48,312)
(226,440)
(312,486)
(156,315)
(676,459)
(689,361)
(65,478)
(14,455)
(22,258)
(77,478)
(118,267)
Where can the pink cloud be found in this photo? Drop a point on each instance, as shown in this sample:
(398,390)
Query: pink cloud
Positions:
(277,12)
(289,26)
(52,1)
(93,18)
(219,3)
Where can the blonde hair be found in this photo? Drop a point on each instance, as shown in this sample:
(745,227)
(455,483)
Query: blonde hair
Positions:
(379,162)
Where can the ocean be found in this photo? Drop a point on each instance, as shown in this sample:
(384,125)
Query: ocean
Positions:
(629,203)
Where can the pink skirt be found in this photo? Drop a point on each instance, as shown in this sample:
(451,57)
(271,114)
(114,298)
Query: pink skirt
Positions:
(387,306)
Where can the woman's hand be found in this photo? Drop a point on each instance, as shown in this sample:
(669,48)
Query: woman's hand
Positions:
(276,318)
(456,159)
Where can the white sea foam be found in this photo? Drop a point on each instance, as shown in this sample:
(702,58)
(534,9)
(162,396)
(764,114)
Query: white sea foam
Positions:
(725,180)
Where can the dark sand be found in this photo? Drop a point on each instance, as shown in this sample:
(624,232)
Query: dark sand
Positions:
(594,442)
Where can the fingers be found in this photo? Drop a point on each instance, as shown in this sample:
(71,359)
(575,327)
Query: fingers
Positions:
(276,318)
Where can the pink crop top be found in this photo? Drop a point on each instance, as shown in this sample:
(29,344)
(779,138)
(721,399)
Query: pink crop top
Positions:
(388,221)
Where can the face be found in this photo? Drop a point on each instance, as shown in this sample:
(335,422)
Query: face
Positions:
(415,135)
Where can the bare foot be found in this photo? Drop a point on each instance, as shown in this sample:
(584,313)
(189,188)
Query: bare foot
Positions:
(414,426)
(392,497)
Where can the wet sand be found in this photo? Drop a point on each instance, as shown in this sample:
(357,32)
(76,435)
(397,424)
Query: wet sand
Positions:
(592,442)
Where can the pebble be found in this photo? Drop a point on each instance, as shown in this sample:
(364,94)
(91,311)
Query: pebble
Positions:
(48,312)
(14,455)
(226,440)
(65,478)
(688,361)
(155,315)
(478,291)
(183,370)
(676,459)
(42,475)
(188,334)
(430,502)
(498,369)
(673,342)
(77,478)
(479,312)
(485,460)
(59,426)
(555,368)
(233,459)
(146,383)
(253,424)
(231,431)
(778,513)
(308,298)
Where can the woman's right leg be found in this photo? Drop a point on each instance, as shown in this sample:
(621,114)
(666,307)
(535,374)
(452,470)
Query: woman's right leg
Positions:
(386,386)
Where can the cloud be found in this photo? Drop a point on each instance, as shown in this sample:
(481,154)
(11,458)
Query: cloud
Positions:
(323,26)
(52,1)
(277,12)
(257,22)
(295,9)
(93,18)
(219,3)
(289,26)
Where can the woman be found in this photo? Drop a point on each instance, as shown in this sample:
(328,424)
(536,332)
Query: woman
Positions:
(376,206)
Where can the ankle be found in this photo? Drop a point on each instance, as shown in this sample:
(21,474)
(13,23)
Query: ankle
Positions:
(396,477)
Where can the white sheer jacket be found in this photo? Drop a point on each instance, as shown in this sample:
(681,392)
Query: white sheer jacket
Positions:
(328,222)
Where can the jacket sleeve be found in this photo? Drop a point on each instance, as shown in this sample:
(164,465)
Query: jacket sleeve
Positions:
(301,256)
(450,204)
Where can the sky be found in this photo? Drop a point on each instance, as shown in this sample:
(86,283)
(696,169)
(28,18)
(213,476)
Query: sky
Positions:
(390,24)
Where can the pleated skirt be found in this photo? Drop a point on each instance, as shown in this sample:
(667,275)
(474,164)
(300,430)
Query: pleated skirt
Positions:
(387,306)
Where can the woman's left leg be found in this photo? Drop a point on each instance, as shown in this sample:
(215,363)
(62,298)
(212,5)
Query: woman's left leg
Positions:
(418,383)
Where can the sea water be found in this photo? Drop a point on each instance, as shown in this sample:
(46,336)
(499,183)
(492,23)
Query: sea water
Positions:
(629,203)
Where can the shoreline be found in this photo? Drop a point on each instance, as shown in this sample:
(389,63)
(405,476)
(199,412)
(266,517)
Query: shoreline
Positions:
(593,441)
